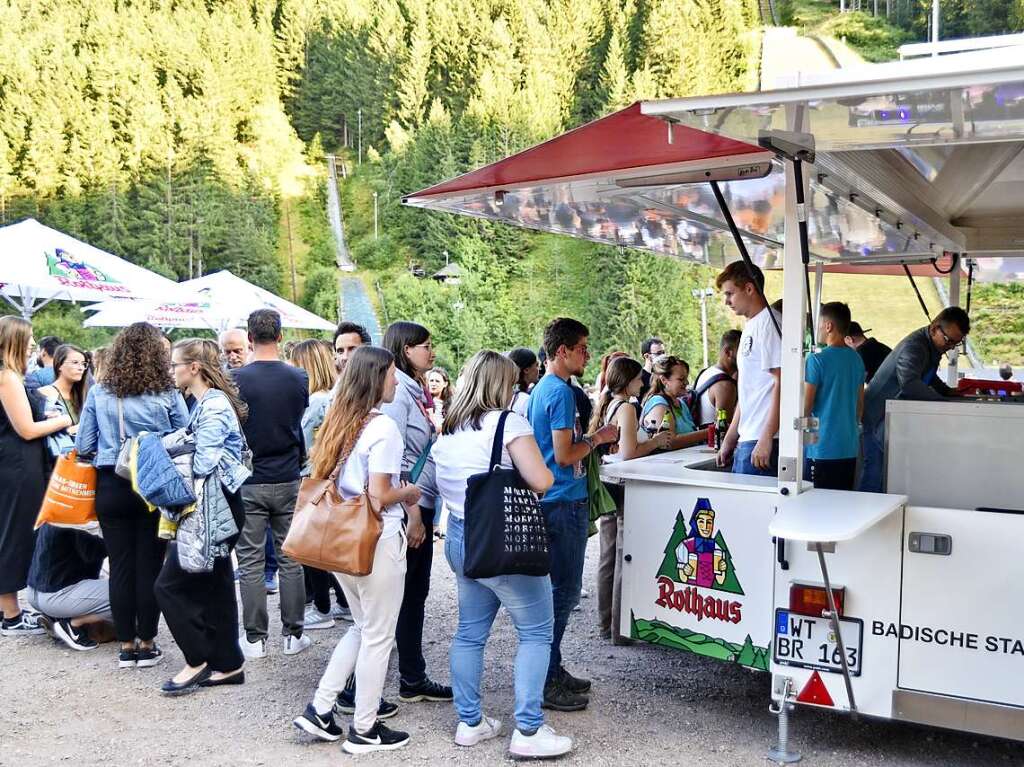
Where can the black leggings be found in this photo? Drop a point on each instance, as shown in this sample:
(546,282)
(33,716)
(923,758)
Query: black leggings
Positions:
(136,555)
(318,589)
(201,609)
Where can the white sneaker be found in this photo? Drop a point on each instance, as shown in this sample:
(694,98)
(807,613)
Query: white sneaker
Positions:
(314,619)
(543,744)
(486,729)
(295,645)
(251,650)
(340,613)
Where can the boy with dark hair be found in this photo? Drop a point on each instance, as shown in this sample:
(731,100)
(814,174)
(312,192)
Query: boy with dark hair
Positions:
(557,426)
(43,375)
(714,388)
(347,338)
(277,395)
(834,394)
(650,350)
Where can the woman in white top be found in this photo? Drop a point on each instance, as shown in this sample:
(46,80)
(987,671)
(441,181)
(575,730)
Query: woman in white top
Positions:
(369,445)
(622,386)
(463,450)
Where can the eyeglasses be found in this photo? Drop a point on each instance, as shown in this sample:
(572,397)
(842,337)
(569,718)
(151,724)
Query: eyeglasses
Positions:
(178,364)
(949,341)
(428,346)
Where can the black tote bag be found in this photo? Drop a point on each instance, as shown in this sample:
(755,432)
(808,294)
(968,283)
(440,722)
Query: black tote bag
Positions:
(505,530)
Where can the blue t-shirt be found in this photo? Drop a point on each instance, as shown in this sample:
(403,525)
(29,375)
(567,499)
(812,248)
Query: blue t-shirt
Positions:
(838,373)
(553,407)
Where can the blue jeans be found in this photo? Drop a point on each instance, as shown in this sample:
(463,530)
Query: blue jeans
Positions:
(567,523)
(742,463)
(528,601)
(871,478)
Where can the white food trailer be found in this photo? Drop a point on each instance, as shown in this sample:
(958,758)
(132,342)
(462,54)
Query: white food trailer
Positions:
(914,166)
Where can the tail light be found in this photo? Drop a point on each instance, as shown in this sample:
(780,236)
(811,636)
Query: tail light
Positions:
(812,599)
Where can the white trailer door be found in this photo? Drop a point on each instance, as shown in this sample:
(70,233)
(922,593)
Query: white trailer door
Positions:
(962,627)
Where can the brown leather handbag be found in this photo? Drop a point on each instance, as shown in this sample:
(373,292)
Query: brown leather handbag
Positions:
(330,533)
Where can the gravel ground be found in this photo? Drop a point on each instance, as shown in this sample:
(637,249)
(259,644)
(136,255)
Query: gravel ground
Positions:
(648,704)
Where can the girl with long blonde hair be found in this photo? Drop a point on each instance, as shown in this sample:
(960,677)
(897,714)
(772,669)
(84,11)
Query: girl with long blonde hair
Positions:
(317,359)
(365,446)
(464,449)
(22,473)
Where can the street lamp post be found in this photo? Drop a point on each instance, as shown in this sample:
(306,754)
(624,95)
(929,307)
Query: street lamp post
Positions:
(375,232)
(703,294)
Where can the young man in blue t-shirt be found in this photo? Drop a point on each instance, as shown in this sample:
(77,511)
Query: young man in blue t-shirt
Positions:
(834,394)
(558,429)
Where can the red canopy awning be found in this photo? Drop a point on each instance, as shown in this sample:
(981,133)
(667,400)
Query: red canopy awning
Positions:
(612,146)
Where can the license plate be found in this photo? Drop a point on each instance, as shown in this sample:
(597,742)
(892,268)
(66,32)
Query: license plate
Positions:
(801,640)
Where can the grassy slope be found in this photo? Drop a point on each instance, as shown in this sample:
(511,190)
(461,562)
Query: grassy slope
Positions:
(885,304)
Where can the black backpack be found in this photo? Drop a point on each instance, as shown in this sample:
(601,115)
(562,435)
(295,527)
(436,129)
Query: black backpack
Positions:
(693,401)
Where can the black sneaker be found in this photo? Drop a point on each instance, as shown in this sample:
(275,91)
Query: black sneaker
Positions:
(380,738)
(322,726)
(128,658)
(558,697)
(573,683)
(148,657)
(26,624)
(73,637)
(346,704)
(425,690)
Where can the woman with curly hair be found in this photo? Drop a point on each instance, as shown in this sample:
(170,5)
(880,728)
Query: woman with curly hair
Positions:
(134,394)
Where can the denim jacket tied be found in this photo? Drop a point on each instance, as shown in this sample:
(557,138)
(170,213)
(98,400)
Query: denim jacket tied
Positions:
(99,434)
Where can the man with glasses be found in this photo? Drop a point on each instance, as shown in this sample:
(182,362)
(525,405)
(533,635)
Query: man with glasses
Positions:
(909,372)
(559,430)
(347,338)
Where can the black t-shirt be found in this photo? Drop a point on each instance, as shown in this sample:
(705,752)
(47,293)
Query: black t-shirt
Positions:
(584,406)
(645,378)
(872,353)
(277,395)
(64,557)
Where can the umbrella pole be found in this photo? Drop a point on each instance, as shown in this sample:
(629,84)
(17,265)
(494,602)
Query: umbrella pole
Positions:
(19,308)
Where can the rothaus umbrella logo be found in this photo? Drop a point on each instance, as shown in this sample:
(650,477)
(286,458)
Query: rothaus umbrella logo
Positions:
(65,265)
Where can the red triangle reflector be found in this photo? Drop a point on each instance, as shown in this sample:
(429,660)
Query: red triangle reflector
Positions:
(815,692)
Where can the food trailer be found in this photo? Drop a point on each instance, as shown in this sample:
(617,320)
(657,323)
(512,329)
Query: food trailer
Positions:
(904,605)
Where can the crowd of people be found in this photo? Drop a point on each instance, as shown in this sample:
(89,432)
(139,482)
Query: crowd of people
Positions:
(256,415)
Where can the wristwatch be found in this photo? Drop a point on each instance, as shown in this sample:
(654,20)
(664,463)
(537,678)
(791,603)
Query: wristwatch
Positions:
(587,440)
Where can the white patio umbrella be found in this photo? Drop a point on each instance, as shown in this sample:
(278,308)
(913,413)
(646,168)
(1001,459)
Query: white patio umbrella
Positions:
(39,264)
(216,301)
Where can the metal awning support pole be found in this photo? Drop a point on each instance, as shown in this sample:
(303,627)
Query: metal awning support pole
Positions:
(917,291)
(954,300)
(833,615)
(794,299)
(819,279)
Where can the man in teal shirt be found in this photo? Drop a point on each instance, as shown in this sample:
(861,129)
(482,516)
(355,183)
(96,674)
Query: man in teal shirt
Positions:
(560,435)
(834,394)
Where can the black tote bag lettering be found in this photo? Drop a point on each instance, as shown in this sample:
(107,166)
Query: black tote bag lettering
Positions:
(505,530)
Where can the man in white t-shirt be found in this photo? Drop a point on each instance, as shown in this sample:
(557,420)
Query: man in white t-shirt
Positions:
(752,440)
